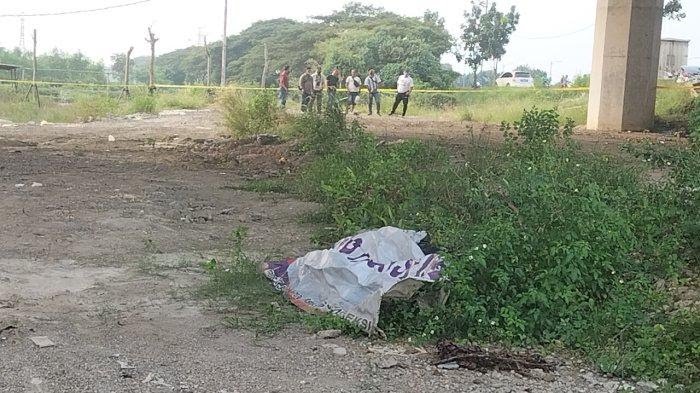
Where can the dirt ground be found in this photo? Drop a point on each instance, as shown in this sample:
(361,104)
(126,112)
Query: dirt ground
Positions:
(100,249)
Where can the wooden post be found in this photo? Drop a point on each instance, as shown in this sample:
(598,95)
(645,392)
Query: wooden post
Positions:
(223,46)
(264,74)
(207,52)
(151,72)
(127,66)
(33,86)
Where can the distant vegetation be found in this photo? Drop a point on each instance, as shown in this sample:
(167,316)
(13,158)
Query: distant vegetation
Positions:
(56,66)
(358,36)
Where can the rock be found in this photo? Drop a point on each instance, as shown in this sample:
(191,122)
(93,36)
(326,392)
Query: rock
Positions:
(45,123)
(647,387)
(626,387)
(42,341)
(111,138)
(340,351)
(31,123)
(448,366)
(268,139)
(540,374)
(35,184)
(387,362)
(19,185)
(328,334)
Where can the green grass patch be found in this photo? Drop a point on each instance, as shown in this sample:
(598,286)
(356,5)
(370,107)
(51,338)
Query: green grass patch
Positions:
(546,244)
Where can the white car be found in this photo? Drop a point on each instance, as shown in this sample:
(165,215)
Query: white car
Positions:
(515,79)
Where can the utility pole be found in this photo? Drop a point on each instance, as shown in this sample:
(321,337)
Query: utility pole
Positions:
(264,74)
(207,52)
(223,46)
(127,66)
(33,86)
(151,72)
(21,34)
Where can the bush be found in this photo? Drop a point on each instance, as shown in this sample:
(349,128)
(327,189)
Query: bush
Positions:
(435,100)
(694,122)
(544,243)
(88,108)
(144,104)
(582,80)
(250,114)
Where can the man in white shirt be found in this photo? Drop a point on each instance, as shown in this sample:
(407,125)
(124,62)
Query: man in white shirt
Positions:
(353,84)
(373,81)
(404,88)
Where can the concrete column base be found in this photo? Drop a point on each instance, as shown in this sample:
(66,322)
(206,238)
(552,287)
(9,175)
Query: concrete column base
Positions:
(625,65)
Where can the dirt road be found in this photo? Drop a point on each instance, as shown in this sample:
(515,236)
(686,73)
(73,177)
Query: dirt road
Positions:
(100,251)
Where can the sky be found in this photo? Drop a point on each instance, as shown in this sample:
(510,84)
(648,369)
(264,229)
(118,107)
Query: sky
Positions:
(556,34)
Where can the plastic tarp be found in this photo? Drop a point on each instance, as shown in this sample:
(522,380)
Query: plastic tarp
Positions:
(350,279)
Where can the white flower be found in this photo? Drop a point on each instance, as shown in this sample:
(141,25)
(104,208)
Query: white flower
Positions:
(668,163)
(437,318)
(409,339)
(578,165)
(575,189)
(480,320)
(622,281)
(612,272)
(567,160)
(493,323)
(544,141)
(529,168)
(662,142)
(484,246)
(432,332)
(471,257)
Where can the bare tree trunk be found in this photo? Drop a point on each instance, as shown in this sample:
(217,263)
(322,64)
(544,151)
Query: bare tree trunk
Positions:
(151,72)
(264,74)
(127,67)
(207,52)
(223,46)
(33,86)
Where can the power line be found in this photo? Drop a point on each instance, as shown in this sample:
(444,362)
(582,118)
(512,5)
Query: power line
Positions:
(560,35)
(76,11)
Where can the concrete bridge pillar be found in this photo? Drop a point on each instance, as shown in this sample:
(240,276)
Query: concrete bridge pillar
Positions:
(625,65)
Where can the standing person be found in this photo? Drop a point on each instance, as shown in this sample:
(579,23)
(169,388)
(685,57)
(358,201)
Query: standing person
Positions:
(373,81)
(404,88)
(317,96)
(353,84)
(332,84)
(306,85)
(284,86)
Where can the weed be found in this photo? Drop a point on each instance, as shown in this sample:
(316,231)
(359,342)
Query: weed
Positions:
(543,242)
(246,114)
(144,103)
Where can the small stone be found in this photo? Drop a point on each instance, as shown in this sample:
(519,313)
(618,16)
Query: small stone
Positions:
(19,185)
(448,366)
(328,334)
(387,362)
(540,374)
(340,351)
(42,342)
(111,138)
(35,184)
(45,123)
(647,387)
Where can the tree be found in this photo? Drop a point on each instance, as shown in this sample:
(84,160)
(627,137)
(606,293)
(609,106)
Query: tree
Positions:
(118,60)
(673,9)
(486,32)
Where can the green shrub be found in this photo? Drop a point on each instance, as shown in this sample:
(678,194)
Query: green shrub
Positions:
(89,108)
(144,103)
(184,99)
(694,122)
(544,243)
(435,100)
(247,114)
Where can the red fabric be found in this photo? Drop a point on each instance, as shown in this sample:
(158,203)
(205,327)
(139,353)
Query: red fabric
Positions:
(284,79)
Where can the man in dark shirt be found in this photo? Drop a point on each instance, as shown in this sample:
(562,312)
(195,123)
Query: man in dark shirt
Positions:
(332,83)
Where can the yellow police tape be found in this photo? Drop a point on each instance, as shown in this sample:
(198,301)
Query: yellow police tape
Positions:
(233,87)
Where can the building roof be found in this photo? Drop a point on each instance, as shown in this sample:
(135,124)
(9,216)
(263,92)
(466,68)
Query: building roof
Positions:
(8,67)
(675,39)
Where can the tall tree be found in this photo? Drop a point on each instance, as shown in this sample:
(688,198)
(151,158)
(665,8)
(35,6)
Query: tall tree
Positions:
(486,32)
(673,9)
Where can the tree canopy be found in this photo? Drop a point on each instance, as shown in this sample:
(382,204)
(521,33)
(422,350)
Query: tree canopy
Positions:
(358,36)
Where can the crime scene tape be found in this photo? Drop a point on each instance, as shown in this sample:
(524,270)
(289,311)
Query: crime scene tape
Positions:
(236,87)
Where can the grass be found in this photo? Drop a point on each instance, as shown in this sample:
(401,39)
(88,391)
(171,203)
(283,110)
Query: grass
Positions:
(68,104)
(546,244)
